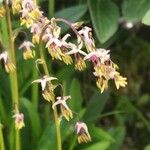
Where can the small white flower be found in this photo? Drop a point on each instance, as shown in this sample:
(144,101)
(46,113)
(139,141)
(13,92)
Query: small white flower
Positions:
(87,37)
(44,80)
(4,56)
(76,49)
(19,120)
(62,101)
(65,110)
(26,45)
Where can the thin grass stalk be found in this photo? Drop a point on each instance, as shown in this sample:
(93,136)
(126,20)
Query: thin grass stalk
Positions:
(2,145)
(35,90)
(13,76)
(51,8)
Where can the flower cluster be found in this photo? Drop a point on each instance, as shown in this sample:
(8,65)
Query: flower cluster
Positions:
(47,32)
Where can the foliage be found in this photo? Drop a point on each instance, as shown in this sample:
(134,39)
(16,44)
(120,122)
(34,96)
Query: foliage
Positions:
(116,119)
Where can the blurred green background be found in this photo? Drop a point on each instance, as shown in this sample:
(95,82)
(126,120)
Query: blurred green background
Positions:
(117,120)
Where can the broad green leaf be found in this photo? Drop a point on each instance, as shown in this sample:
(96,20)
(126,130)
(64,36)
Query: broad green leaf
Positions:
(48,139)
(146,18)
(103,145)
(134,10)
(100,134)
(76,96)
(104,15)
(33,116)
(147,147)
(95,106)
(119,135)
(72,13)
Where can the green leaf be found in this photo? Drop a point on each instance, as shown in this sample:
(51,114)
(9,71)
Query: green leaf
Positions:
(104,15)
(48,138)
(103,145)
(119,135)
(146,18)
(95,106)
(147,147)
(100,134)
(33,116)
(72,13)
(134,10)
(76,96)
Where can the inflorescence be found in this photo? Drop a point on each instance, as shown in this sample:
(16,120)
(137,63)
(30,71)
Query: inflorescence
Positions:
(48,33)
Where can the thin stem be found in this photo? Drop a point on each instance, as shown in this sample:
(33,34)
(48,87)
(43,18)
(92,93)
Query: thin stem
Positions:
(13,76)
(4,30)
(35,90)
(51,8)
(73,143)
(2,145)
(56,119)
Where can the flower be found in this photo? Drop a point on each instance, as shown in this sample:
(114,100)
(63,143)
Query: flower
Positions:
(85,32)
(98,55)
(65,110)
(16,6)
(44,81)
(36,30)
(27,52)
(80,63)
(82,132)
(19,120)
(9,66)
(2,11)
(120,81)
(47,87)
(76,49)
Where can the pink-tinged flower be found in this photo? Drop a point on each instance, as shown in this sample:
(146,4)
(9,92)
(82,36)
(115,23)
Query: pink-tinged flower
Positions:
(82,132)
(98,55)
(44,80)
(36,28)
(28,4)
(9,66)
(19,120)
(88,39)
(65,110)
(26,45)
(27,52)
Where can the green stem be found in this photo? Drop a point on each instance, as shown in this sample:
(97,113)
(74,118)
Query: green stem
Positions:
(13,76)
(73,143)
(35,90)
(2,145)
(51,8)
(56,119)
(4,30)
